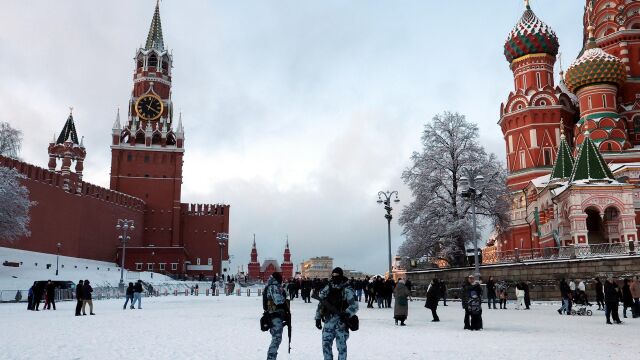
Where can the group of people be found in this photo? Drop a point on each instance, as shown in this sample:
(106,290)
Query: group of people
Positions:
(134,294)
(36,293)
(335,314)
(84,298)
(608,297)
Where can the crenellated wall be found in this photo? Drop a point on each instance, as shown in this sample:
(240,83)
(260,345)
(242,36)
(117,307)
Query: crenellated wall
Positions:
(200,224)
(78,215)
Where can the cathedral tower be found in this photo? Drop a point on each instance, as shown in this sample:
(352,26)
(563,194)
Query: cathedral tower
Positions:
(530,118)
(147,150)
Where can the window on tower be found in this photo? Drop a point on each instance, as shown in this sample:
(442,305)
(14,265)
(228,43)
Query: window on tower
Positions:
(523,160)
(152,61)
(548,160)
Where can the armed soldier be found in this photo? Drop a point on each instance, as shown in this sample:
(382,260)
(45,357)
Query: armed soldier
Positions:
(337,308)
(277,307)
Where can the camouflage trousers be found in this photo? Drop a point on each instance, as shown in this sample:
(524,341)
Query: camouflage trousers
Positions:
(334,329)
(276,338)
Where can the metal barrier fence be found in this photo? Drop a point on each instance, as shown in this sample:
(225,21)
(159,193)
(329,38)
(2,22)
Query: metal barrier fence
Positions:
(103,293)
(577,251)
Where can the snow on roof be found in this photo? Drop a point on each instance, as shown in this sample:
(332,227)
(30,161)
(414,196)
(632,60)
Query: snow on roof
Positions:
(541,181)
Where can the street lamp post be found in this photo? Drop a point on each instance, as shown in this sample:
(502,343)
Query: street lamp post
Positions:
(58,257)
(470,186)
(222,238)
(123,225)
(387,206)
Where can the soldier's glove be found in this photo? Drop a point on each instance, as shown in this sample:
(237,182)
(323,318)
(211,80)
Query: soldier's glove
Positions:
(318,324)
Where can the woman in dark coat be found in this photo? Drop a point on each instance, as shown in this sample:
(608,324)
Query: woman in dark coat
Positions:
(401,306)
(627,299)
(433,295)
(86,298)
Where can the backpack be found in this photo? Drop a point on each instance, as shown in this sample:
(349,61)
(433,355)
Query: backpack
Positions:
(475,304)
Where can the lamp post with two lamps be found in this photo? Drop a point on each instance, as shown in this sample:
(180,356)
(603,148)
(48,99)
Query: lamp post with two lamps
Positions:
(387,206)
(222,238)
(470,190)
(124,225)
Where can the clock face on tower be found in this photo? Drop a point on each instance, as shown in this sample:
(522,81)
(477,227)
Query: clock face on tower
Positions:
(149,107)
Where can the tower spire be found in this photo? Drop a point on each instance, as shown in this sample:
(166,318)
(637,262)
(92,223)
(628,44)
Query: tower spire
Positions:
(154,39)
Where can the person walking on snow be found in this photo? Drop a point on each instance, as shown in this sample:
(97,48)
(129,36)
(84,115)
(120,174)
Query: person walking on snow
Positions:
(491,293)
(519,296)
(275,299)
(433,296)
(86,298)
(472,304)
(129,296)
(599,294)
(611,301)
(137,294)
(79,301)
(340,297)
(401,305)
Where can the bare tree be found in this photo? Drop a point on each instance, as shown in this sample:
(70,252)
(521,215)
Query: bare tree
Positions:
(10,140)
(15,204)
(437,223)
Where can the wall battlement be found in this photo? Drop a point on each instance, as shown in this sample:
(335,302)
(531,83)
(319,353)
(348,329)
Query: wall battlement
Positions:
(204,209)
(72,184)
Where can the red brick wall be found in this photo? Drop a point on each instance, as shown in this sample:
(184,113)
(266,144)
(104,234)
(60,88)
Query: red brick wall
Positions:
(83,222)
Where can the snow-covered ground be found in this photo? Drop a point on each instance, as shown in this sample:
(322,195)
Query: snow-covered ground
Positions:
(33,267)
(227,328)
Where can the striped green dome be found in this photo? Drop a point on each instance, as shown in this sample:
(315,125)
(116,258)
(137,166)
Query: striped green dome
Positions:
(595,66)
(530,36)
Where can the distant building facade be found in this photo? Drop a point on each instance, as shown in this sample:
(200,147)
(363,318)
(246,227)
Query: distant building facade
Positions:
(257,271)
(317,267)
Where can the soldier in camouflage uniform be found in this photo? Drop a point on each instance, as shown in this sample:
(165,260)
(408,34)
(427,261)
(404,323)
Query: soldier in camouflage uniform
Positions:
(343,298)
(277,308)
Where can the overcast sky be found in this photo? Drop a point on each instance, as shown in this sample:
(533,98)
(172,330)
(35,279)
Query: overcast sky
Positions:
(296,112)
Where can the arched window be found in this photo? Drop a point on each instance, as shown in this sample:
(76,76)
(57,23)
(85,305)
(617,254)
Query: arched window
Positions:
(152,61)
(140,138)
(156,139)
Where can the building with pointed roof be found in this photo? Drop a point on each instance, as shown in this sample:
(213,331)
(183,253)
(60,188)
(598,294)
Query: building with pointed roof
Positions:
(581,190)
(147,151)
(261,272)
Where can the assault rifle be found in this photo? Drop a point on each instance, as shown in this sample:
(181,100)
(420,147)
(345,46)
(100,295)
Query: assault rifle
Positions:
(353,323)
(287,320)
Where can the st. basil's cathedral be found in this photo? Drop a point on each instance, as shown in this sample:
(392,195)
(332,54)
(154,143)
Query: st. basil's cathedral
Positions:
(573,149)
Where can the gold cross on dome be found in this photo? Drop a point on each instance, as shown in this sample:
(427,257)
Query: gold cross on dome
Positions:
(526,3)
(70,110)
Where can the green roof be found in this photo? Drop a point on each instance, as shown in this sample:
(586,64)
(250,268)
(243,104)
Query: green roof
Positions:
(68,132)
(564,162)
(590,164)
(154,39)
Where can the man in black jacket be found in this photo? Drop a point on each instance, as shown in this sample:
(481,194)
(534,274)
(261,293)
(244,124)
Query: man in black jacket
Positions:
(86,298)
(611,300)
(599,294)
(468,290)
(51,295)
(491,293)
(79,297)
(566,299)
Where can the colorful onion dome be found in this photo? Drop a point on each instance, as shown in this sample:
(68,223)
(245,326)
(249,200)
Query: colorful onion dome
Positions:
(530,36)
(595,66)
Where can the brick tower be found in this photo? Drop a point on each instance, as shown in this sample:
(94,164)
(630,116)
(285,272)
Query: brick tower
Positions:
(67,149)
(147,150)
(287,265)
(254,266)
(531,117)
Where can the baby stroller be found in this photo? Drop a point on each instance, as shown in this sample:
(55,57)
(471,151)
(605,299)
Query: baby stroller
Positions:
(581,300)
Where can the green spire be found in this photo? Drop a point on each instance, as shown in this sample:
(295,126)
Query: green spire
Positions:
(154,39)
(590,164)
(68,131)
(564,162)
